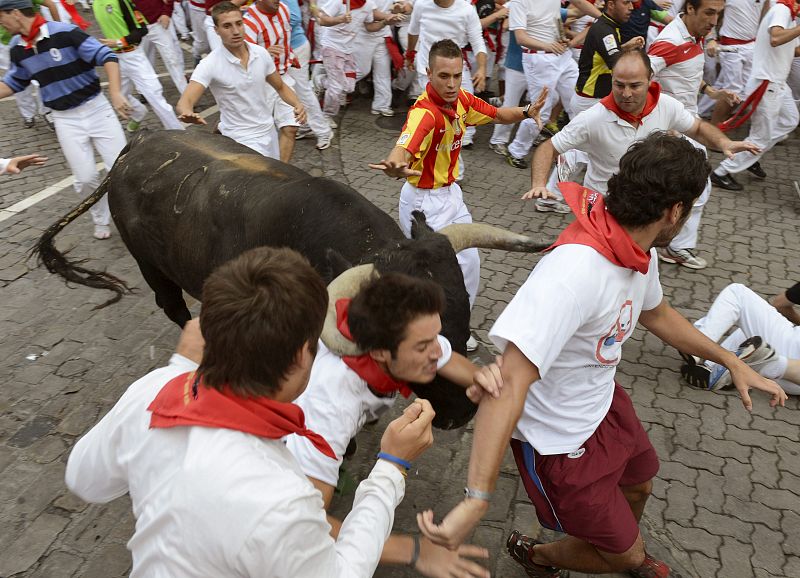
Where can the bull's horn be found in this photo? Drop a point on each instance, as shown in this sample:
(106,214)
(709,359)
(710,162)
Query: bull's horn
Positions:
(467,235)
(344,286)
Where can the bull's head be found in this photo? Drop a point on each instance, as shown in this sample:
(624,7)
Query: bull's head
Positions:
(429,255)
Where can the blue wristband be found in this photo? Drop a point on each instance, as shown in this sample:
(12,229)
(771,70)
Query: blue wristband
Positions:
(395,460)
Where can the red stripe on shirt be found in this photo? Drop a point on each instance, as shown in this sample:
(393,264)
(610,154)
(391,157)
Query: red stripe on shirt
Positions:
(674,53)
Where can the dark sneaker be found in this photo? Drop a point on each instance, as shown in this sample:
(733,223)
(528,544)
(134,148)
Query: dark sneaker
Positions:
(500,148)
(520,548)
(756,170)
(725,181)
(651,568)
(515,162)
(29,123)
(684,257)
(754,352)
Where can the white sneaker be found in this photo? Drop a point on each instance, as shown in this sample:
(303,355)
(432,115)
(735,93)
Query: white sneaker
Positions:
(303,132)
(552,206)
(472,343)
(324,142)
(102,232)
(385,112)
(500,148)
(331,122)
(684,257)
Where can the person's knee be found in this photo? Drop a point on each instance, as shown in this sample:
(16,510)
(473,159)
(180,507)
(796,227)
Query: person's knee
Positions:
(639,492)
(289,131)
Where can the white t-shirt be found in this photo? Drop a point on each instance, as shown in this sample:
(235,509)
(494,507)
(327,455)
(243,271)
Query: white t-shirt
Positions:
(459,23)
(241,94)
(4,165)
(678,62)
(218,502)
(337,403)
(741,19)
(342,37)
(605,137)
(536,17)
(773,63)
(570,319)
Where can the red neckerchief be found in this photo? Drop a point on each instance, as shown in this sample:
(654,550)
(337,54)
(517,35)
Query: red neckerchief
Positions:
(653,92)
(366,367)
(355,4)
(790,4)
(596,228)
(76,18)
(183,402)
(30,38)
(448,109)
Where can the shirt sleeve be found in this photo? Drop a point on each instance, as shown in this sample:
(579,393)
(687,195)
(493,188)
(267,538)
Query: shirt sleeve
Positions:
(413,24)
(202,73)
(89,48)
(475,32)
(479,111)
(779,15)
(369,6)
(251,32)
(654,294)
(517,17)
(575,135)
(304,548)
(417,131)
(608,49)
(17,78)
(532,322)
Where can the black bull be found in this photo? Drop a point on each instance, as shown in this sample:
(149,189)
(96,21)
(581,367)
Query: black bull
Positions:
(184,204)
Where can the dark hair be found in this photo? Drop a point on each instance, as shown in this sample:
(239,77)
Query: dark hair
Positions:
(27,12)
(258,312)
(384,306)
(654,175)
(223,8)
(693,3)
(445,48)
(635,53)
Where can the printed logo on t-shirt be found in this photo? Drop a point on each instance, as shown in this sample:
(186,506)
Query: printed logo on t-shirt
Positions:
(609,346)
(576,454)
(609,42)
(403,139)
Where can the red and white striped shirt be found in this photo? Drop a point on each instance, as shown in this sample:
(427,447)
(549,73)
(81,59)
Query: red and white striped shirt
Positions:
(270,30)
(678,61)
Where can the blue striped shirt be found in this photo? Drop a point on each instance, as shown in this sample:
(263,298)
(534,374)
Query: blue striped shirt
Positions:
(62,62)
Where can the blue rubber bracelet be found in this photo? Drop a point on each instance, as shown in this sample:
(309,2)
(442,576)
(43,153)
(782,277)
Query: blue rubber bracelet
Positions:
(394,460)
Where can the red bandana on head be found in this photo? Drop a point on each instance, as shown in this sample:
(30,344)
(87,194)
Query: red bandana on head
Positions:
(792,6)
(30,38)
(366,367)
(185,402)
(653,92)
(596,228)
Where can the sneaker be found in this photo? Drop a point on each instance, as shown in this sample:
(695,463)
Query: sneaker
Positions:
(303,132)
(685,257)
(48,120)
(331,122)
(29,122)
(515,162)
(726,182)
(102,232)
(133,125)
(550,129)
(651,568)
(472,343)
(324,142)
(552,206)
(756,170)
(185,38)
(385,112)
(754,352)
(466,143)
(500,148)
(540,139)
(520,548)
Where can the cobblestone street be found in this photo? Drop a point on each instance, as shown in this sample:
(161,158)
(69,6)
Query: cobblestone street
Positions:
(726,501)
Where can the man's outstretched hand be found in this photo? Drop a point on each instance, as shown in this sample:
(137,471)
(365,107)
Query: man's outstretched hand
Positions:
(395,169)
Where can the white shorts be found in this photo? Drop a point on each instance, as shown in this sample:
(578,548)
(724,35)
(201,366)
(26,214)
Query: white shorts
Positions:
(282,113)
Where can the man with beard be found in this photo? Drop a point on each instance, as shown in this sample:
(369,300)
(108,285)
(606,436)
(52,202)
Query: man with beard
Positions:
(584,457)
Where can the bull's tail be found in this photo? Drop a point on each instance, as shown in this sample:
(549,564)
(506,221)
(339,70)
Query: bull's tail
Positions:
(56,262)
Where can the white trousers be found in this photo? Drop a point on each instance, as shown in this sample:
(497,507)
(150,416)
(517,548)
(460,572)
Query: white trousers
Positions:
(82,130)
(794,80)
(165,41)
(516,85)
(214,41)
(282,113)
(136,71)
(405,77)
(442,207)
(773,120)
(687,236)
(734,70)
(304,91)
(265,144)
(559,73)
(179,19)
(372,55)
(197,17)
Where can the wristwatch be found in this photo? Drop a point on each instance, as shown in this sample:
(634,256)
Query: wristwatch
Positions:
(526,110)
(478,494)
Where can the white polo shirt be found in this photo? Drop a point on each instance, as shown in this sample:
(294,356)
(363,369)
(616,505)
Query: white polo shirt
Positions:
(342,37)
(337,403)
(241,94)
(218,502)
(536,17)
(741,19)
(773,63)
(605,137)
(459,23)
(570,319)
(678,62)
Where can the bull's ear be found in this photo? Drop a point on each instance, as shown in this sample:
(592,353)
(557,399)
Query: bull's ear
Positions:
(335,265)
(419,225)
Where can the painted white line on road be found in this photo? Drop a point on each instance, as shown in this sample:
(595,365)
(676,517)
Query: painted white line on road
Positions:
(35,198)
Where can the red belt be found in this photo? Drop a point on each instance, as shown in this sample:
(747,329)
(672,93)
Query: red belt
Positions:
(532,51)
(728,41)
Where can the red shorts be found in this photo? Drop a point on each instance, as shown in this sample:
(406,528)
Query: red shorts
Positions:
(581,495)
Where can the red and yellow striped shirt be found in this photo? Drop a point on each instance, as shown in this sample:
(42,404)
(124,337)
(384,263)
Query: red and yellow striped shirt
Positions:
(433,133)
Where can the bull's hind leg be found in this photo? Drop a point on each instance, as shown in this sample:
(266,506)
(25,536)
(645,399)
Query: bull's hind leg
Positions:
(169,296)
